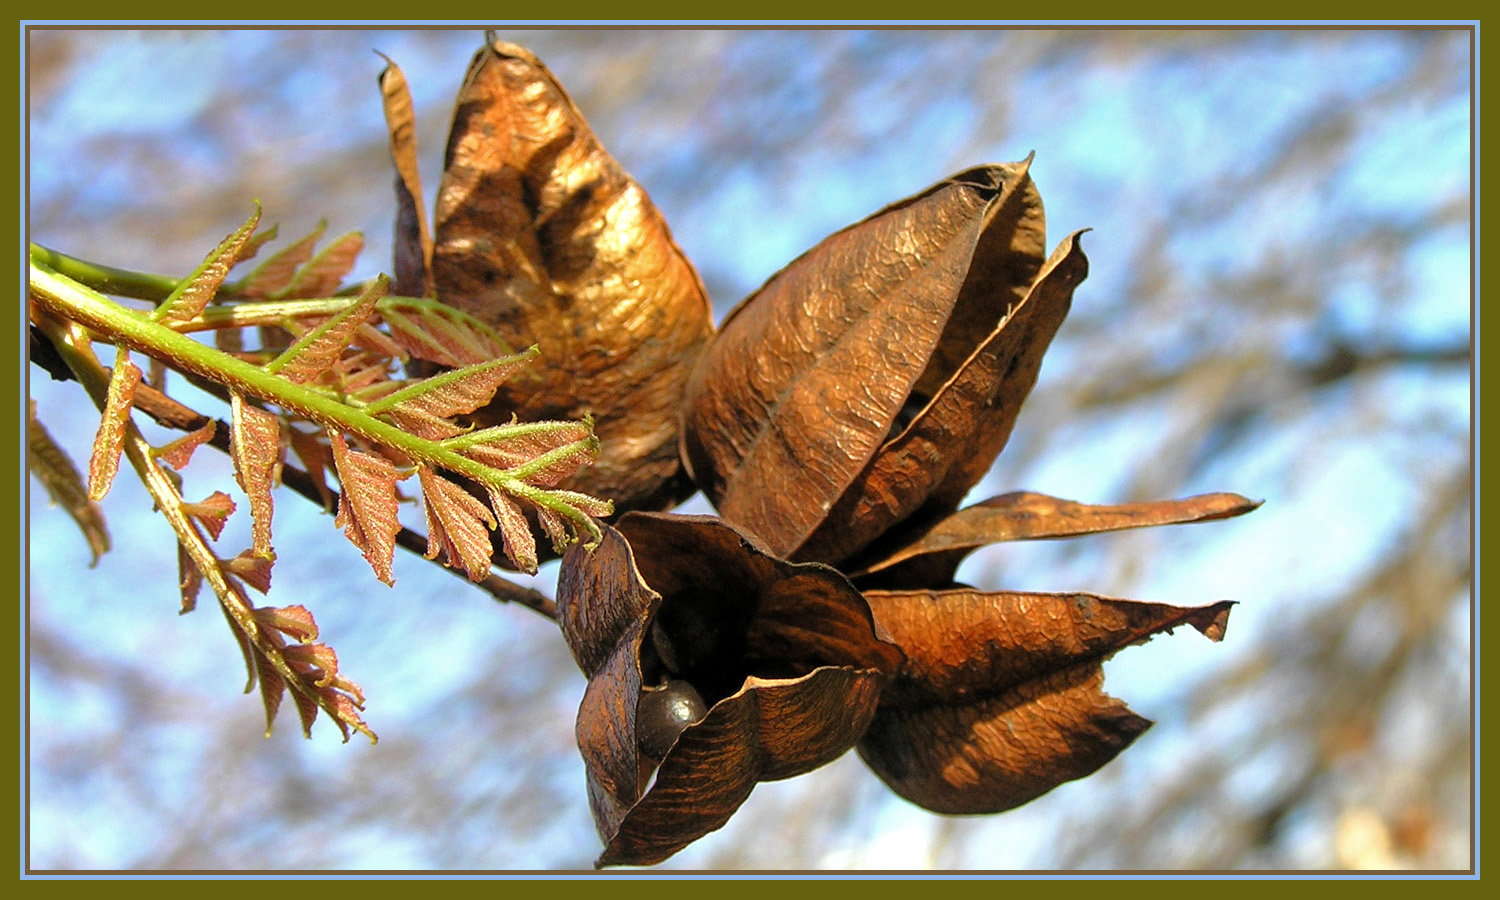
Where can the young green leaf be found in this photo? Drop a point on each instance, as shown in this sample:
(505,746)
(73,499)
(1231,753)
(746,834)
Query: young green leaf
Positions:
(323,275)
(178,453)
(105,460)
(507,446)
(255,445)
(454,392)
(315,351)
(275,274)
(442,334)
(544,453)
(211,512)
(458,525)
(367,506)
(193,294)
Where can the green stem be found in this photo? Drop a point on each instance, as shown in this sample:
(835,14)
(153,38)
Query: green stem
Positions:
(74,349)
(115,324)
(106,279)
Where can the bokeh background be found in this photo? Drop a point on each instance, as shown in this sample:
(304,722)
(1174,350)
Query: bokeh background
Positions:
(1279,304)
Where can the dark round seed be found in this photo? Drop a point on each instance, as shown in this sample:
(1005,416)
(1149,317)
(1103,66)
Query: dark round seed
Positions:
(661,715)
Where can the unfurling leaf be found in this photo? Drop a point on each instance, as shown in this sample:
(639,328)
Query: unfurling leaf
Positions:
(367,506)
(307,713)
(1000,699)
(294,621)
(190,582)
(315,351)
(178,453)
(316,459)
(252,569)
(458,525)
(451,393)
(547,452)
(193,294)
(252,245)
(255,446)
(104,462)
(317,661)
(309,670)
(322,276)
(275,274)
(272,688)
(441,334)
(515,533)
(211,512)
(64,485)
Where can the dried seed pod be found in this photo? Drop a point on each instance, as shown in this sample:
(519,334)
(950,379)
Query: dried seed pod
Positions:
(1000,699)
(941,305)
(783,656)
(927,554)
(540,234)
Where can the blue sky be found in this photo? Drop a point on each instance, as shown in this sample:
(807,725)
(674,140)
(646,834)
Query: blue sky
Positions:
(776,139)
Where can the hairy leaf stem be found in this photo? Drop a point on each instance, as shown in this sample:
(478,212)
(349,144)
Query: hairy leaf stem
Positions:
(67,298)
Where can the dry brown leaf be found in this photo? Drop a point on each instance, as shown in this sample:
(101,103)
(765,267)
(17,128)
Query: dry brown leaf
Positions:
(1000,751)
(952,442)
(55,470)
(413,243)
